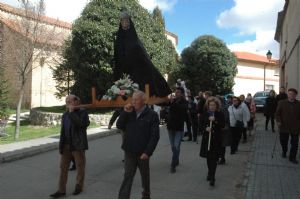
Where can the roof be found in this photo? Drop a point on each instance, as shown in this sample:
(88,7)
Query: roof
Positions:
(251,57)
(280,20)
(43,18)
(172,35)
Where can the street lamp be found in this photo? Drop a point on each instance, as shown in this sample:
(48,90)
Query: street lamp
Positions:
(269,56)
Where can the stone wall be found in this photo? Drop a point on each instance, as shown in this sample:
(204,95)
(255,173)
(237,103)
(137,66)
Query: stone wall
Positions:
(49,119)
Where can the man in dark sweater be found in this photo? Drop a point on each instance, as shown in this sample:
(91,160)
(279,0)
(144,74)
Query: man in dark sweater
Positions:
(140,125)
(73,143)
(288,120)
(175,124)
(282,94)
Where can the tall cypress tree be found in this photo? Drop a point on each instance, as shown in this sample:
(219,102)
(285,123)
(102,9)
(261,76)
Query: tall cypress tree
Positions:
(157,15)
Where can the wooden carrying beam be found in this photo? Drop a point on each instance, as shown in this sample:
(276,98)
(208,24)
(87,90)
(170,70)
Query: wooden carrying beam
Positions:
(119,102)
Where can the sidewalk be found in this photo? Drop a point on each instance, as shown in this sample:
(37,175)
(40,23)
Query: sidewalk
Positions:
(23,149)
(271,178)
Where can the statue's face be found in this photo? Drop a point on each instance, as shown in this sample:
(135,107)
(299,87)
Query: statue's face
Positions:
(125,23)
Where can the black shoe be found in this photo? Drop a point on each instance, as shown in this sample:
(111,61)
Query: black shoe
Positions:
(283,154)
(221,161)
(73,167)
(77,190)
(232,152)
(208,178)
(190,139)
(57,195)
(212,182)
(244,141)
(273,130)
(173,170)
(294,161)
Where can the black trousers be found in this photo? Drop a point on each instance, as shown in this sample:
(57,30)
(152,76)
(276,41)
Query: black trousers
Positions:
(132,162)
(284,139)
(115,115)
(236,137)
(212,160)
(222,152)
(244,133)
(192,124)
(268,117)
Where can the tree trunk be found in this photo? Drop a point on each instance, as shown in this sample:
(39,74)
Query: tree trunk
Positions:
(17,129)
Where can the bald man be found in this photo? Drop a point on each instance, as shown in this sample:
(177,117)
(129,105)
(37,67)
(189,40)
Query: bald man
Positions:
(73,142)
(140,125)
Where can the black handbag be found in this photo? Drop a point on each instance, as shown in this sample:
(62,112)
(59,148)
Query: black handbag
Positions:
(238,123)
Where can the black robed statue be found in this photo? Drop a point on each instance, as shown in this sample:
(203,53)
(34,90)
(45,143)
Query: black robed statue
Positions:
(131,58)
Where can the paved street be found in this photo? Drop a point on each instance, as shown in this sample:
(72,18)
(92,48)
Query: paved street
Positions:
(37,176)
(271,178)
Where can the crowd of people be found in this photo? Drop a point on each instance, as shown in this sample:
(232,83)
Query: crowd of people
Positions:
(221,122)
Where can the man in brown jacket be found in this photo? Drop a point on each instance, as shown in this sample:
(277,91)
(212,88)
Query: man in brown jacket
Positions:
(288,120)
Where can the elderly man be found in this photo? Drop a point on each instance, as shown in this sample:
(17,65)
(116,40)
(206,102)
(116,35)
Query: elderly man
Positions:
(140,125)
(73,142)
(288,120)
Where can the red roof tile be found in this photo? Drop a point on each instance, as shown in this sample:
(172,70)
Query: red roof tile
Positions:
(246,56)
(45,19)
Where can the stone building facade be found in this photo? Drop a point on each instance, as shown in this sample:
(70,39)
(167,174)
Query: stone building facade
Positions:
(288,35)
(40,86)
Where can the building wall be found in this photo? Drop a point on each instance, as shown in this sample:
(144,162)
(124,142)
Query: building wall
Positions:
(43,84)
(250,78)
(290,47)
(10,63)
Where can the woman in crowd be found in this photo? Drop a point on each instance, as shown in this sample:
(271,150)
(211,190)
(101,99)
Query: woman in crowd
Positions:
(213,123)
(238,121)
(270,109)
(252,108)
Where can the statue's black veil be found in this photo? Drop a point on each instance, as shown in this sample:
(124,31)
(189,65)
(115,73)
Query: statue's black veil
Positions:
(131,58)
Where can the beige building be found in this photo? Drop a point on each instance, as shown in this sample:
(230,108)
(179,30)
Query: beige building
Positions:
(40,87)
(288,35)
(254,73)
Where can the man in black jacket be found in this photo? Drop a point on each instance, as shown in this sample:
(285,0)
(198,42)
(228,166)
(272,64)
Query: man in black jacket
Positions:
(73,142)
(175,124)
(140,125)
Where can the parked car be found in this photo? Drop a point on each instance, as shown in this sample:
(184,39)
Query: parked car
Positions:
(259,99)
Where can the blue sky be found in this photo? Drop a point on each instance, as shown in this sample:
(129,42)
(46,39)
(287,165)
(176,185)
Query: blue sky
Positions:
(244,25)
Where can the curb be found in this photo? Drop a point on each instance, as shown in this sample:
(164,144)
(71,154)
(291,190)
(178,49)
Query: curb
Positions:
(34,150)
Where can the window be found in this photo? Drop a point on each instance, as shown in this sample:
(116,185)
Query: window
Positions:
(269,87)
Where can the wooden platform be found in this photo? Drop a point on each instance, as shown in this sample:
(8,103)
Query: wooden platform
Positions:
(119,102)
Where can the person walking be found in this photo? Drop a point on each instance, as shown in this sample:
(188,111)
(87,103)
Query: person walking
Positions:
(175,124)
(288,121)
(270,109)
(140,125)
(213,122)
(282,94)
(238,117)
(252,108)
(72,143)
(247,113)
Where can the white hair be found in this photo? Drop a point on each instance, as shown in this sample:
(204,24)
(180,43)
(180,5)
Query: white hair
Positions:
(140,94)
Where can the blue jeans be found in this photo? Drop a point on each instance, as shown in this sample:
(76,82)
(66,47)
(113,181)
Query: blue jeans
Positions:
(175,141)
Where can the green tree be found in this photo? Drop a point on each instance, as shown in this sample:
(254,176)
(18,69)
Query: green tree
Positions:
(157,15)
(63,73)
(208,65)
(90,54)
(4,100)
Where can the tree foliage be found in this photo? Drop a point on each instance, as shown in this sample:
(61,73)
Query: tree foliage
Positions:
(4,100)
(157,15)
(208,65)
(90,54)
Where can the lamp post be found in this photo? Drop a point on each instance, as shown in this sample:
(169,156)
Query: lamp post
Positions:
(269,56)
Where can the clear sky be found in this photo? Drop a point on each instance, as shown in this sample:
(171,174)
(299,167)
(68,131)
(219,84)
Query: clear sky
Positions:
(244,25)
